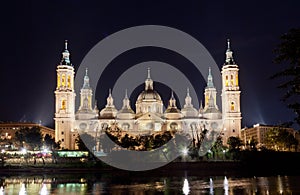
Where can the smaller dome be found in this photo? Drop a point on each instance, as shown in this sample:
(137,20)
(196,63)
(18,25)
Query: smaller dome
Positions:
(172,112)
(189,112)
(108,112)
(188,109)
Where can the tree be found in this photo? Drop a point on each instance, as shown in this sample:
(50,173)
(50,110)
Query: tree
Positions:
(234,143)
(252,144)
(288,54)
(280,139)
(234,146)
(217,148)
(31,136)
(49,141)
(85,142)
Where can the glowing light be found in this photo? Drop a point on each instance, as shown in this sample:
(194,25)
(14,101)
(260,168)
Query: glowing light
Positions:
(186,188)
(22,190)
(185,151)
(211,186)
(24,150)
(1,190)
(226,186)
(44,190)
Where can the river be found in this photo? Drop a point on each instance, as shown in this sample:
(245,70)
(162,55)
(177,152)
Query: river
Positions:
(111,183)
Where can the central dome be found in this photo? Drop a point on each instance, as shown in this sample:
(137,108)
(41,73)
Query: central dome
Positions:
(149,100)
(149,95)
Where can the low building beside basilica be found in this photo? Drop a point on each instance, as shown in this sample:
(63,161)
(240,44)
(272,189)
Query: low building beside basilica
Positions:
(149,116)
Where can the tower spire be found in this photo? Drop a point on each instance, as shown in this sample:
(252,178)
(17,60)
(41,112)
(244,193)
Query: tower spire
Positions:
(172,101)
(188,99)
(210,83)
(109,99)
(228,44)
(126,102)
(66,56)
(229,54)
(86,80)
(66,45)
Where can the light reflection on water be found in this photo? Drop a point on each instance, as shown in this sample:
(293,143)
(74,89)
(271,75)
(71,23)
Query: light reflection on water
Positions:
(74,184)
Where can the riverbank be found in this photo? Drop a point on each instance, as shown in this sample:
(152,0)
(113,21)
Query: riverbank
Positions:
(251,163)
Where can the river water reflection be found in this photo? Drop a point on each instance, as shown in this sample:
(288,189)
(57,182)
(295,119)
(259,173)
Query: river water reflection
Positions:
(73,184)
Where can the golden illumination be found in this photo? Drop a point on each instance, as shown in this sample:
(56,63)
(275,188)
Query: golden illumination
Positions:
(58,81)
(63,104)
(206,100)
(236,80)
(63,80)
(226,81)
(232,106)
(231,80)
(69,81)
(90,100)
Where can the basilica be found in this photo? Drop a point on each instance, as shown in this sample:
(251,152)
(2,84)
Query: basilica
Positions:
(149,115)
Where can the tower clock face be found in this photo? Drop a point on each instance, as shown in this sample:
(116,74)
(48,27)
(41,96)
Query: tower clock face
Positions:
(82,126)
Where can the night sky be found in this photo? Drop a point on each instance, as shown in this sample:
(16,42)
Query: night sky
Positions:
(33,34)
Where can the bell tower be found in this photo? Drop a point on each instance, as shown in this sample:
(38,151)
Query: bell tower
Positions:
(230,97)
(65,102)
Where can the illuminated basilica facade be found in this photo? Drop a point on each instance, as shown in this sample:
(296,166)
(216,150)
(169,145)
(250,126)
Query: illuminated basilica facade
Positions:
(149,115)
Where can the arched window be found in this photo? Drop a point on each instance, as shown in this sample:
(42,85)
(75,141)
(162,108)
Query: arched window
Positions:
(125,126)
(63,104)
(231,80)
(226,81)
(58,81)
(63,80)
(69,81)
(236,80)
(104,126)
(206,100)
(173,126)
(232,106)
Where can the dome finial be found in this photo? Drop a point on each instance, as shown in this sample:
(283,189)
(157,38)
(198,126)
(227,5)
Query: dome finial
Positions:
(188,92)
(148,81)
(148,69)
(86,71)
(126,95)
